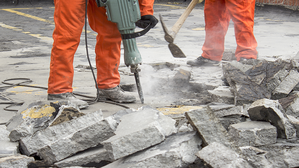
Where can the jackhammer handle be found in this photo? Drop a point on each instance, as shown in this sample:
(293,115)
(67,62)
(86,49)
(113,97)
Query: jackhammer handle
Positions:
(176,27)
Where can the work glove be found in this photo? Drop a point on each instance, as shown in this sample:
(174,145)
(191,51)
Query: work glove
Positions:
(146,20)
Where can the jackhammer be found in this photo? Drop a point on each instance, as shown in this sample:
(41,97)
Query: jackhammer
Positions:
(126,13)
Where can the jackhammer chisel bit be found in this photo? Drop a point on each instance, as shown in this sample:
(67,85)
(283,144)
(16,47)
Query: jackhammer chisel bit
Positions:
(136,70)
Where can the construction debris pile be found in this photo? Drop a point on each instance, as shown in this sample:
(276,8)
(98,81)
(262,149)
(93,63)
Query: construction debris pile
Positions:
(255,124)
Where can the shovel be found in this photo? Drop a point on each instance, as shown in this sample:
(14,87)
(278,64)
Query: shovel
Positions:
(170,35)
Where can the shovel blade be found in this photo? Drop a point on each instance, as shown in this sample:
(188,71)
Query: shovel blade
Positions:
(176,51)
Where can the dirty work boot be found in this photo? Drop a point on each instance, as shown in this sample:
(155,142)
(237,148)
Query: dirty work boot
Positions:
(116,94)
(69,97)
(201,61)
(249,61)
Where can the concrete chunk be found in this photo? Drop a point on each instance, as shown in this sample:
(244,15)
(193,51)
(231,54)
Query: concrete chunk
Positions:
(245,85)
(222,94)
(19,161)
(295,123)
(293,107)
(228,110)
(256,157)
(208,126)
(253,133)
(83,139)
(139,130)
(7,148)
(133,142)
(30,145)
(3,133)
(271,111)
(287,85)
(33,117)
(182,77)
(92,155)
(283,154)
(219,156)
(175,152)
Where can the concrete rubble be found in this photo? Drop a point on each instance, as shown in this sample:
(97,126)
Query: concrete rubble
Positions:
(16,161)
(150,123)
(253,133)
(252,121)
(176,151)
(218,155)
(272,111)
(7,148)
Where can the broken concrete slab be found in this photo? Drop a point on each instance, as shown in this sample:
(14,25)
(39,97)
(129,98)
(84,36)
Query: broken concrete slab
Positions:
(182,77)
(244,89)
(218,155)
(222,110)
(229,114)
(91,155)
(30,145)
(176,151)
(8,148)
(253,133)
(226,121)
(18,161)
(292,107)
(295,123)
(82,139)
(38,116)
(208,126)
(292,157)
(283,154)
(139,130)
(271,111)
(31,118)
(222,94)
(277,78)
(257,82)
(256,157)
(287,85)
(3,133)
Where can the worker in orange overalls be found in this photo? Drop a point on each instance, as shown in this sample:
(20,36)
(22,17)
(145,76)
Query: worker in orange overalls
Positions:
(217,17)
(69,18)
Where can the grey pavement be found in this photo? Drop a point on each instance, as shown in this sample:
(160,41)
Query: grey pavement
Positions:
(25,47)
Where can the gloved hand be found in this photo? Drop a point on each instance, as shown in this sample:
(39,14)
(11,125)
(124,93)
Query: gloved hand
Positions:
(146,20)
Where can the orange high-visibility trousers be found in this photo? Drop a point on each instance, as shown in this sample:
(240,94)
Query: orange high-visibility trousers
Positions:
(217,17)
(69,18)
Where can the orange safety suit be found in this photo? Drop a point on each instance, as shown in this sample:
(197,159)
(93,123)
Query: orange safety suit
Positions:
(217,17)
(69,18)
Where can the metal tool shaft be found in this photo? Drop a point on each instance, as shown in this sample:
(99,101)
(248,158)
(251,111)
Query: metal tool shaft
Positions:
(136,74)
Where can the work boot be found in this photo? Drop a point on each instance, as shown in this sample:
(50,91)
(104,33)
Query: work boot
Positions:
(201,61)
(249,61)
(116,94)
(68,97)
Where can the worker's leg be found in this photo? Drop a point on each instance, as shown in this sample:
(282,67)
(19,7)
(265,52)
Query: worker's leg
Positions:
(107,55)
(69,21)
(216,25)
(242,14)
(107,48)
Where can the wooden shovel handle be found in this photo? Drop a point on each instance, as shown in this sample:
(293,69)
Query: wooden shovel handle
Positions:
(176,27)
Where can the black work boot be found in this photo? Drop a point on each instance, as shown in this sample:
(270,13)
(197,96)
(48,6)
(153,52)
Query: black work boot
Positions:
(68,97)
(201,61)
(116,94)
